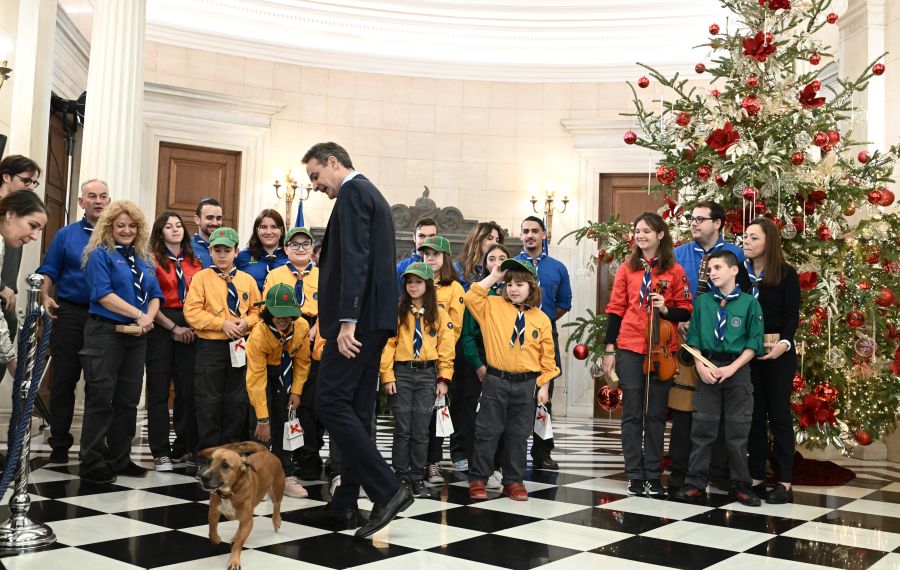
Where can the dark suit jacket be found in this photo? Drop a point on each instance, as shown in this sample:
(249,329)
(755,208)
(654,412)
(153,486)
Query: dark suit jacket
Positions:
(357,277)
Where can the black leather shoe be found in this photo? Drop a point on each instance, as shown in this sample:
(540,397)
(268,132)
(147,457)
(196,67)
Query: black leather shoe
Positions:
(779,495)
(385,511)
(98,475)
(132,470)
(328,518)
(547,463)
(59,455)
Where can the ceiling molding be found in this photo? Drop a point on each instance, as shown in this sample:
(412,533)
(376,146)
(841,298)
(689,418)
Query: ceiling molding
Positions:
(71,52)
(227,109)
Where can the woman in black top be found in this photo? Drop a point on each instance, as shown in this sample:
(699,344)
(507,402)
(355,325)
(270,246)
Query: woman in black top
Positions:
(776,286)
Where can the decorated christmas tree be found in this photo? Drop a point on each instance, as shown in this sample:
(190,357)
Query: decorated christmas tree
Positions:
(765,138)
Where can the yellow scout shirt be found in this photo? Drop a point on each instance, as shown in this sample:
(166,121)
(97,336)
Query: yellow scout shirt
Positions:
(263,350)
(440,346)
(450,298)
(206,304)
(283,274)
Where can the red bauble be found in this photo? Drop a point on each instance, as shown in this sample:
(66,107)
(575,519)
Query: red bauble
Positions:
(824,233)
(887,197)
(809,207)
(749,193)
(878,68)
(798,223)
(856,319)
(666,174)
(797,158)
(825,393)
(834,137)
(874,256)
(863,156)
(720,182)
(714,29)
(799,382)
(752,105)
(715,93)
(808,280)
(752,81)
(700,68)
(609,398)
(863,437)
(682,119)
(851,209)
(703,172)
(864,285)
(885,297)
(831,18)
(815,59)
(821,139)
(760,206)
(643,82)
(580,351)
(821,313)
(630,137)
(874,197)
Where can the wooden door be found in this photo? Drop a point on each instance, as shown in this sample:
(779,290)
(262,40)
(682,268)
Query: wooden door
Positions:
(187,174)
(625,195)
(55,180)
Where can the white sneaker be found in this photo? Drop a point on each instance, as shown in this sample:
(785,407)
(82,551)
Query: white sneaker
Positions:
(162,463)
(495,481)
(293,488)
(335,483)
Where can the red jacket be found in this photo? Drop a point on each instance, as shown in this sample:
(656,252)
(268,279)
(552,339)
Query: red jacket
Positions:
(625,301)
(168,281)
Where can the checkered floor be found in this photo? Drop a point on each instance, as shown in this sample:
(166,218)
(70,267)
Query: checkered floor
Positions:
(578,518)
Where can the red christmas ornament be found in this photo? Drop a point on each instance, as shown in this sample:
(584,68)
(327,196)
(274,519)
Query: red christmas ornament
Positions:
(887,198)
(643,82)
(720,182)
(874,256)
(863,156)
(799,382)
(797,158)
(715,93)
(825,393)
(666,174)
(856,319)
(821,139)
(834,137)
(714,29)
(824,233)
(580,351)
(826,149)
(799,225)
(682,119)
(878,68)
(749,193)
(815,59)
(863,284)
(885,297)
(703,172)
(863,437)
(821,313)
(752,81)
(752,105)
(808,280)
(874,197)
(700,68)
(815,85)
(831,18)
(760,206)
(851,209)
(630,137)
(609,398)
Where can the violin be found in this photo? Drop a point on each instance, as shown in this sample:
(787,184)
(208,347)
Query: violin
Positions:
(659,360)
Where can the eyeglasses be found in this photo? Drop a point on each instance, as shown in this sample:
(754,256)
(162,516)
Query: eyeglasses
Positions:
(29,181)
(304,245)
(697,219)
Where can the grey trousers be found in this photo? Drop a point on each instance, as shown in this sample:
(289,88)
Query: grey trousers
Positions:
(732,399)
(505,410)
(643,458)
(411,406)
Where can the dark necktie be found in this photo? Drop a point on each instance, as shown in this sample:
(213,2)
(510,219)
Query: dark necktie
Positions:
(137,276)
(233,300)
(722,317)
(519,329)
(417,336)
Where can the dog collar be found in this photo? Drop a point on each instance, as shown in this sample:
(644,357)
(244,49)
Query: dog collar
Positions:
(222,494)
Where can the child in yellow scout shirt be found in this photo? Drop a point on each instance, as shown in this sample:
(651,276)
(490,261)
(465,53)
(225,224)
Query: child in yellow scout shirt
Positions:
(301,274)
(277,367)
(518,342)
(436,254)
(412,362)
(220,307)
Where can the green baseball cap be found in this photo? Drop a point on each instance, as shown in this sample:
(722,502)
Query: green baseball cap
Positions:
(224,236)
(281,302)
(518,264)
(419,269)
(437,243)
(294,231)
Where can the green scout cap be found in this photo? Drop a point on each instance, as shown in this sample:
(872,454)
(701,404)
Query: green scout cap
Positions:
(437,243)
(281,302)
(224,236)
(419,269)
(518,264)
(294,231)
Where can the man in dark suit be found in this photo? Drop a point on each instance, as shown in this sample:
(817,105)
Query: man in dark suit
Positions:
(357,314)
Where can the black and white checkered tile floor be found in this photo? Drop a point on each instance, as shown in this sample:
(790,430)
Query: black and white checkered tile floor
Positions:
(576,518)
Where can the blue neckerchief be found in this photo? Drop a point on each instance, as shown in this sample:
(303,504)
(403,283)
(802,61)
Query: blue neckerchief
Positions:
(177,260)
(417,336)
(287,362)
(298,286)
(137,276)
(645,282)
(722,316)
(748,265)
(518,333)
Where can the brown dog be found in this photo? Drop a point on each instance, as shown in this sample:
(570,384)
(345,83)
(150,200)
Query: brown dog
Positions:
(237,482)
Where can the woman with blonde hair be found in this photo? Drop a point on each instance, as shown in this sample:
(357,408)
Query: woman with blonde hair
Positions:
(469,263)
(124,292)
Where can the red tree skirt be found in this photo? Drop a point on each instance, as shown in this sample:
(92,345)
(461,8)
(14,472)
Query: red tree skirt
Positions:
(822,473)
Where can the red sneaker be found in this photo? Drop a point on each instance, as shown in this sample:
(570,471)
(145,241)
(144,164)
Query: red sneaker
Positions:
(477,491)
(516,491)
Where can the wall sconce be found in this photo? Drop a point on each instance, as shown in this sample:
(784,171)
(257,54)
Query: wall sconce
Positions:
(548,207)
(4,61)
(292,182)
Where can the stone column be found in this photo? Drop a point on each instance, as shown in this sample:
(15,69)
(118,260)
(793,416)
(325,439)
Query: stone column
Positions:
(111,148)
(862,39)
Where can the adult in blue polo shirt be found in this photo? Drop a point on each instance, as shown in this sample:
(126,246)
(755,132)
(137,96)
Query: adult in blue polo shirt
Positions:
(208,217)
(123,291)
(62,267)
(425,228)
(556,301)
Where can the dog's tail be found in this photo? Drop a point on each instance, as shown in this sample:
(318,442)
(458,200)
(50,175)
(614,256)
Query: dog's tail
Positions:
(244,448)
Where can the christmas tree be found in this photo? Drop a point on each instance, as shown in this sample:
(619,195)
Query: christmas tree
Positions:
(765,139)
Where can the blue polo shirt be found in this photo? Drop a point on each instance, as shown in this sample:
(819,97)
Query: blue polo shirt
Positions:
(108,272)
(259,268)
(62,263)
(688,256)
(201,250)
(553,277)
(402,265)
